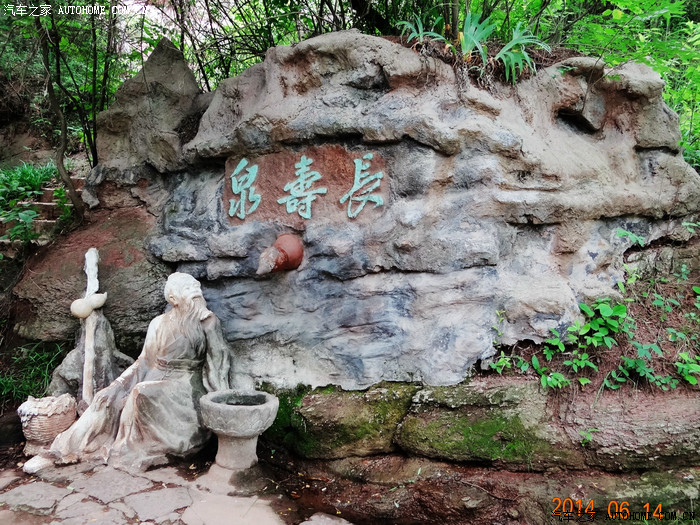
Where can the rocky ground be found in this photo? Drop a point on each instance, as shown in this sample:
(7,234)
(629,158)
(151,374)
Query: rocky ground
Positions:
(89,493)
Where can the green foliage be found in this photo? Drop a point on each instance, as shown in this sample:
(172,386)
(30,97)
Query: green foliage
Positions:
(30,371)
(417,32)
(633,237)
(549,379)
(501,363)
(587,435)
(498,327)
(21,217)
(514,55)
(23,183)
(604,320)
(690,226)
(688,367)
(473,36)
(579,362)
(18,187)
(557,344)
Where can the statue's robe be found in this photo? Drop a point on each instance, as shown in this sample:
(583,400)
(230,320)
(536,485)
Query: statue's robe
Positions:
(154,407)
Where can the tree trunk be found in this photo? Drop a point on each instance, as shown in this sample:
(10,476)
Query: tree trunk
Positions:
(65,177)
(455,18)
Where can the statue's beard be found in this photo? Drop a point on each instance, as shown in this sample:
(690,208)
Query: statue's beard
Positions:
(188,317)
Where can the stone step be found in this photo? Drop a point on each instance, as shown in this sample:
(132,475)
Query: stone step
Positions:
(40,226)
(48,194)
(46,210)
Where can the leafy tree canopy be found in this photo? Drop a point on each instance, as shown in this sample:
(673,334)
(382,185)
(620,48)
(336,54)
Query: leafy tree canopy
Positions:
(90,55)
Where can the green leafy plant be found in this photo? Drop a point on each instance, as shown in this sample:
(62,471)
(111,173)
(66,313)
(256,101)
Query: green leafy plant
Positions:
(21,219)
(632,276)
(633,237)
(557,345)
(604,321)
(18,187)
(551,379)
(30,371)
(501,363)
(690,226)
(683,274)
(61,201)
(498,327)
(521,364)
(417,32)
(641,366)
(579,362)
(587,435)
(688,367)
(615,377)
(514,56)
(23,183)
(473,35)
(667,304)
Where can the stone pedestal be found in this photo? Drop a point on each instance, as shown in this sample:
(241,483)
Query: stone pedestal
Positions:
(237,419)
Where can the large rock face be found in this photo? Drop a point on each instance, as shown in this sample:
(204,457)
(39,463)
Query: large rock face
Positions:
(425,205)
(55,278)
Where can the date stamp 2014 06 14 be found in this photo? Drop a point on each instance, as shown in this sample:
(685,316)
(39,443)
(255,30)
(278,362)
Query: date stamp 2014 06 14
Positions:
(568,509)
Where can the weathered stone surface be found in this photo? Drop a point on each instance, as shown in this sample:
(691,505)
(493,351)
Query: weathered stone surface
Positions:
(67,378)
(213,509)
(501,421)
(67,473)
(133,282)
(396,489)
(110,485)
(158,503)
(336,424)
(490,201)
(37,498)
(76,509)
(633,433)
(7,478)
(154,113)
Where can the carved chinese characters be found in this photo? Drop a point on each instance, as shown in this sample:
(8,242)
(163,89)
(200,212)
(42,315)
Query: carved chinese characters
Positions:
(246,200)
(300,193)
(319,182)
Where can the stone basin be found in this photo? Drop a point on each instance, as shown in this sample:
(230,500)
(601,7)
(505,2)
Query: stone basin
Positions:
(238,418)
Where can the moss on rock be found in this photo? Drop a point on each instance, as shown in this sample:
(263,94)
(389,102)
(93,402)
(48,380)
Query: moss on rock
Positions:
(332,423)
(471,436)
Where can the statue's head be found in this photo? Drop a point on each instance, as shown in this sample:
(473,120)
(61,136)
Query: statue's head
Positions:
(182,288)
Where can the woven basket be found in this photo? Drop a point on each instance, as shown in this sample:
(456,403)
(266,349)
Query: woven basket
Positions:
(43,419)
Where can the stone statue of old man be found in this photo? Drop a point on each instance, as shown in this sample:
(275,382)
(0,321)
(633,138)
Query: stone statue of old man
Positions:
(152,409)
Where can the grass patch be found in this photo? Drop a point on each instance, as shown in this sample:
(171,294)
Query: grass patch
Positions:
(26,371)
